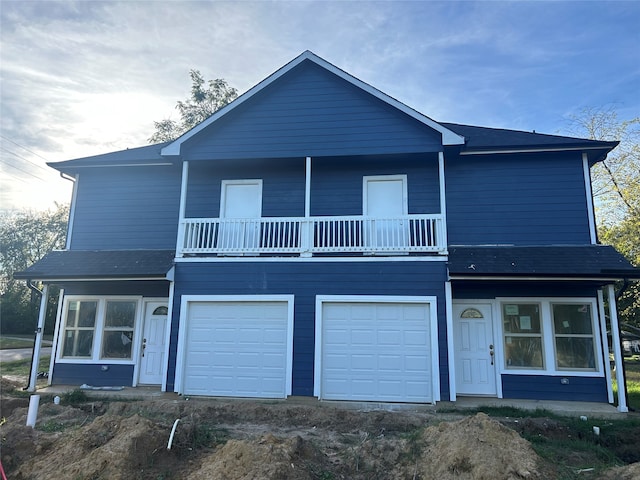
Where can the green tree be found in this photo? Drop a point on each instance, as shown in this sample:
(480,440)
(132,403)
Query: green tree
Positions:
(205,99)
(616,188)
(26,237)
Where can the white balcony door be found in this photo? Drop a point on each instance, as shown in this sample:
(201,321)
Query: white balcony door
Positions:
(241,209)
(385,203)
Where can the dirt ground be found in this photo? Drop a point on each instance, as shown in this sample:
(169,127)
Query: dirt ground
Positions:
(238,439)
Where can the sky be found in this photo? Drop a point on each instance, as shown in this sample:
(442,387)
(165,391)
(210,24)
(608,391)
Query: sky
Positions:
(81,78)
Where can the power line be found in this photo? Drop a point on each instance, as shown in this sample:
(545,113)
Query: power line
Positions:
(24,148)
(8,163)
(25,159)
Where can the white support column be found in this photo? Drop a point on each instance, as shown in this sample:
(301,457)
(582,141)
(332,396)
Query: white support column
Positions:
(617,351)
(183,208)
(56,334)
(448,301)
(72,212)
(307,229)
(589,194)
(605,345)
(443,202)
(38,343)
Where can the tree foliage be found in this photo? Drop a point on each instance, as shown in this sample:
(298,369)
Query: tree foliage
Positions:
(26,237)
(205,99)
(616,180)
(616,188)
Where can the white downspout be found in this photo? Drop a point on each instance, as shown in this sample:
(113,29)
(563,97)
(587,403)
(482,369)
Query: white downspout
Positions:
(38,342)
(617,351)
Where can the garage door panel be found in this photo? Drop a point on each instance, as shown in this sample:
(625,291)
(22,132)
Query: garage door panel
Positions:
(376,352)
(237,349)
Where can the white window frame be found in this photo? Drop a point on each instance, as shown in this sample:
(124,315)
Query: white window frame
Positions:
(548,337)
(99,328)
(592,336)
(524,335)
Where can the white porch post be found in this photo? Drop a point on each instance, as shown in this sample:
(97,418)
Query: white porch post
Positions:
(56,335)
(443,204)
(42,314)
(448,300)
(307,229)
(605,345)
(589,193)
(617,351)
(183,208)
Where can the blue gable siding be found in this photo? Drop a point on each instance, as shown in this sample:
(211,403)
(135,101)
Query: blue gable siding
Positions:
(311,112)
(305,280)
(127,208)
(521,200)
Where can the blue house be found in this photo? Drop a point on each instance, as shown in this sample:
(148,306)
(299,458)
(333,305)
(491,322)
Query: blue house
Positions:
(317,237)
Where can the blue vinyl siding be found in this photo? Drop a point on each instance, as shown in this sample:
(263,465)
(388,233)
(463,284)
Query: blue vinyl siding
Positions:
(305,280)
(539,387)
(127,208)
(521,200)
(283,183)
(311,112)
(336,184)
(78,374)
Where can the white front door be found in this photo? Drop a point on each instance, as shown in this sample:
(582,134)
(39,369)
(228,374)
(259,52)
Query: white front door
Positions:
(474,349)
(153,343)
(241,209)
(385,203)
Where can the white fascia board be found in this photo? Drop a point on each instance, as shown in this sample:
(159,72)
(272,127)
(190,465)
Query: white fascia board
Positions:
(448,136)
(526,150)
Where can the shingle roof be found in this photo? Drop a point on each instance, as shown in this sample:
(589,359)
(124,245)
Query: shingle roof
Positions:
(584,261)
(103,264)
(481,138)
(146,155)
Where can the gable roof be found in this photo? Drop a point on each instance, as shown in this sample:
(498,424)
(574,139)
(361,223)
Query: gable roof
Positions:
(448,136)
(73,265)
(592,262)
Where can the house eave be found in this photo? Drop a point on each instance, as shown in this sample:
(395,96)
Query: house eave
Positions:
(534,278)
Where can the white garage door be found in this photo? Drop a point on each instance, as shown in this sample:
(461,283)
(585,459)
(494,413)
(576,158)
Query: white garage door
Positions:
(236,349)
(376,352)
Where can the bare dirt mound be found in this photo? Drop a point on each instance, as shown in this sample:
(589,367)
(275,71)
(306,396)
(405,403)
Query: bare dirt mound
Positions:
(477,448)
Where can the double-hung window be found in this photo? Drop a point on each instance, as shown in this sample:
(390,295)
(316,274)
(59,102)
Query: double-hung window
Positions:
(573,333)
(522,335)
(99,328)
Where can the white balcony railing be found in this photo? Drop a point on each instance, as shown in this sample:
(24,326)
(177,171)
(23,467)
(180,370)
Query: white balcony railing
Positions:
(306,236)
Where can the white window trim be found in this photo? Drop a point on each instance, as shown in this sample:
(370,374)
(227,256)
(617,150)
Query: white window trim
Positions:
(182,330)
(548,338)
(432,301)
(382,178)
(99,329)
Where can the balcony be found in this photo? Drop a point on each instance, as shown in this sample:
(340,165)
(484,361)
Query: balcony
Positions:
(312,235)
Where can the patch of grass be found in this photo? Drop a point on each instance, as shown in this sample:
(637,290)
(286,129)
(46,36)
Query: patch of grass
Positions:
(7,343)
(52,426)
(22,367)
(74,397)
(632,370)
